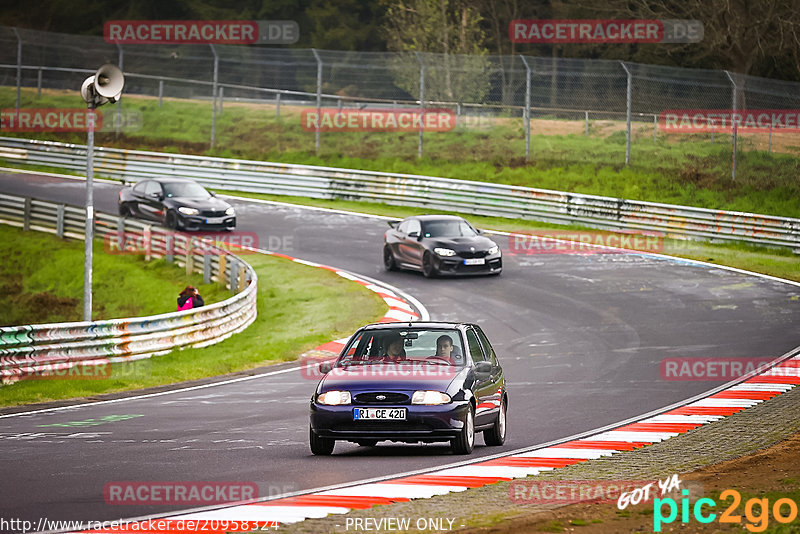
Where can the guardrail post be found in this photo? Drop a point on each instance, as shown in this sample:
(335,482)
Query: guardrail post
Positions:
(26,215)
(207,269)
(60,220)
(169,247)
(214,95)
(527,113)
(233,275)
(189,262)
(278,106)
(19,66)
(160,91)
(319,99)
(421,102)
(146,236)
(242,281)
(628,98)
(221,269)
(39,83)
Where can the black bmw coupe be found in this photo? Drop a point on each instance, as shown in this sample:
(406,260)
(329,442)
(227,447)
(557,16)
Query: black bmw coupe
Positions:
(440,244)
(177,203)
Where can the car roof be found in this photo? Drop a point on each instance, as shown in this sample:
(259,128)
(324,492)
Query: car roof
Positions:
(436,217)
(416,324)
(168,179)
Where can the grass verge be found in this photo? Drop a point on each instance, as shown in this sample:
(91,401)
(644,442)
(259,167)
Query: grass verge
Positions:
(686,170)
(299,308)
(41,281)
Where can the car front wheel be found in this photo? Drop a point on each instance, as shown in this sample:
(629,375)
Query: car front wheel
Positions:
(497,434)
(465,441)
(427,265)
(320,446)
(172,220)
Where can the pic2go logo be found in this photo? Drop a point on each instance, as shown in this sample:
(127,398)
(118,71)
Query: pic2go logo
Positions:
(756,511)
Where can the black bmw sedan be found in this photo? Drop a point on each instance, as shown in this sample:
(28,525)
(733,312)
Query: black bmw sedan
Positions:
(440,244)
(411,382)
(177,203)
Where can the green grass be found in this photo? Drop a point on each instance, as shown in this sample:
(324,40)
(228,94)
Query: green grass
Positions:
(299,308)
(687,170)
(41,281)
(778,262)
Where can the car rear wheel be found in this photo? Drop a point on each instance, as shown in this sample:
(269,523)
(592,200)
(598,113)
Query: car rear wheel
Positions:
(497,434)
(388,259)
(427,265)
(320,446)
(465,441)
(172,220)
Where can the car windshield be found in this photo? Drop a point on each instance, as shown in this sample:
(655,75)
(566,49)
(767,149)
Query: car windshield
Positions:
(448,228)
(185,190)
(437,346)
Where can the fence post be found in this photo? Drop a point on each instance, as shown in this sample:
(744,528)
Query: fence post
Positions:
(769,145)
(146,236)
(39,83)
(628,95)
(586,127)
(207,269)
(60,220)
(421,101)
(319,99)
(19,66)
(26,215)
(527,113)
(221,98)
(119,102)
(223,261)
(234,272)
(160,91)
(242,281)
(278,106)
(458,114)
(189,261)
(655,128)
(169,244)
(214,95)
(734,99)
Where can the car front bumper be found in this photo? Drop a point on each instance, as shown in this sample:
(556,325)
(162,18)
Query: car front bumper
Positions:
(197,222)
(423,423)
(454,265)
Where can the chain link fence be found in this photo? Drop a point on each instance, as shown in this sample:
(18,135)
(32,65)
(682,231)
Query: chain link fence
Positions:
(589,97)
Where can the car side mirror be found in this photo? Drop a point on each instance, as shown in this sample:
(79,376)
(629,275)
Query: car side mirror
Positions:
(325,367)
(480,232)
(483,368)
(414,235)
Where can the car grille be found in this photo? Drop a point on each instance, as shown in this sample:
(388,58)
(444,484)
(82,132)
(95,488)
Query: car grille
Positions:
(212,213)
(476,254)
(391,398)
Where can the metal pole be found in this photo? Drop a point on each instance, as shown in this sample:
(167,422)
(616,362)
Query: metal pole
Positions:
(586,128)
(421,102)
(769,146)
(19,67)
(628,115)
(319,99)
(214,95)
(39,83)
(527,112)
(89,230)
(221,98)
(734,98)
(278,106)
(655,128)
(160,91)
(119,102)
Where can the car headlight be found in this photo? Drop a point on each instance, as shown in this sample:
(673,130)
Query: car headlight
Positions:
(230,211)
(334,398)
(494,250)
(429,397)
(188,211)
(444,251)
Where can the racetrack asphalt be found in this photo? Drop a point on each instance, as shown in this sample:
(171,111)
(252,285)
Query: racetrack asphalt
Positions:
(580,337)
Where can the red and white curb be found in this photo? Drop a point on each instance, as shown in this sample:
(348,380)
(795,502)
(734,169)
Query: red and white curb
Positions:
(674,421)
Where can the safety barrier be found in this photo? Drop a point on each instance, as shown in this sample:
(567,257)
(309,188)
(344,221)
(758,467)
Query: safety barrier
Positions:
(55,349)
(479,198)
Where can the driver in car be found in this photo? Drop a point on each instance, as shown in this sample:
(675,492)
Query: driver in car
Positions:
(444,349)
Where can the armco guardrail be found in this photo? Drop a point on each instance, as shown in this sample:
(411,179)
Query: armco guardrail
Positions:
(479,198)
(54,349)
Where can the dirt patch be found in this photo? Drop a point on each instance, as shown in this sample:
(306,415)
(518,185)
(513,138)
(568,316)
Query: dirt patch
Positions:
(19,307)
(773,470)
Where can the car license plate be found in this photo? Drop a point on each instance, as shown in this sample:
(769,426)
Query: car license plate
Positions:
(475,261)
(379,414)
(215,220)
